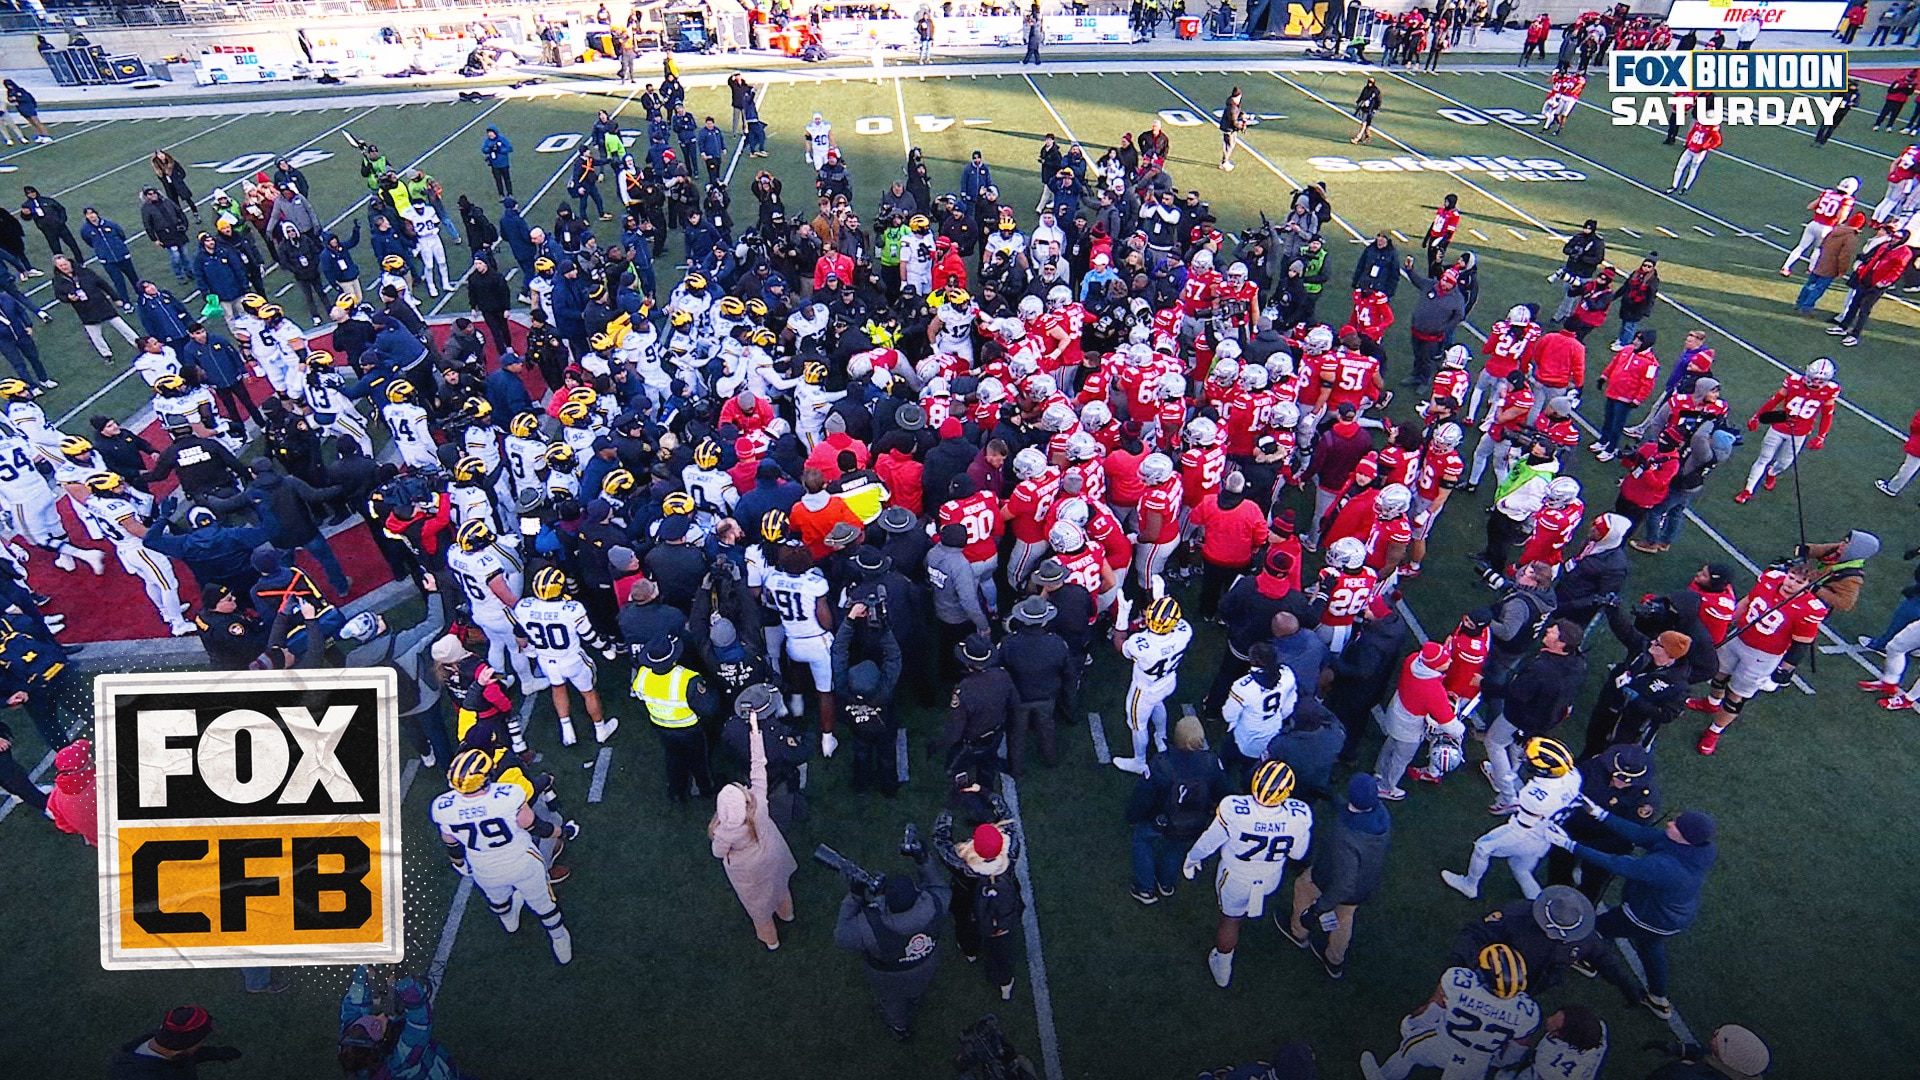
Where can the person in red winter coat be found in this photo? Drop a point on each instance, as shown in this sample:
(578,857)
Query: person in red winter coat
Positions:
(1650,473)
(1591,303)
(1629,380)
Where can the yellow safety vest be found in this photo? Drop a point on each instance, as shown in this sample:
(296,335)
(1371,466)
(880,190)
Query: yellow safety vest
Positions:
(666,696)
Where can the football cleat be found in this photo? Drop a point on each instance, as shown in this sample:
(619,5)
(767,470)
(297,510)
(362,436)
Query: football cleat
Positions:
(1709,742)
(1895,703)
(1221,965)
(1886,489)
(562,945)
(828,744)
(1875,686)
(1700,704)
(1769,482)
(1458,883)
(1425,776)
(604,729)
(1745,496)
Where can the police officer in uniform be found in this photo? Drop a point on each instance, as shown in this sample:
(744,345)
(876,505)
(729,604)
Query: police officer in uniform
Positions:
(788,746)
(865,701)
(734,665)
(897,933)
(1551,932)
(1041,666)
(676,698)
(1620,780)
(34,672)
(233,638)
(980,710)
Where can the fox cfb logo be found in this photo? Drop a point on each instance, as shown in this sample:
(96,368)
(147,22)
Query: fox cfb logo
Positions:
(1715,86)
(249,818)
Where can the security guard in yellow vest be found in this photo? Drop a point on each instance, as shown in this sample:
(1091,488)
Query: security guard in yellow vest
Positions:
(676,698)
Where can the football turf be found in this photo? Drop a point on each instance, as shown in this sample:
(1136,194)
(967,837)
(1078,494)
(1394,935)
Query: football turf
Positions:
(1797,935)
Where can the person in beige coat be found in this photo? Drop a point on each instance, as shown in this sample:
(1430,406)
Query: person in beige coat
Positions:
(747,841)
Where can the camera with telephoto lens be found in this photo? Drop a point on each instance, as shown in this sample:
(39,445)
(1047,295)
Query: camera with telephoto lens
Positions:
(862,882)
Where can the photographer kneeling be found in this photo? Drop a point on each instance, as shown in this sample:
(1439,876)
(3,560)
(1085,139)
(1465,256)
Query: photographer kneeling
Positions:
(896,930)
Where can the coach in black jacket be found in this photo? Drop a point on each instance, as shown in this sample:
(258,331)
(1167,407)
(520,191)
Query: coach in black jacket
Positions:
(1248,610)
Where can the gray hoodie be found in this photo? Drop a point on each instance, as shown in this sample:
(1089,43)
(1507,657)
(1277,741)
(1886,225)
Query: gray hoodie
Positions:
(956,593)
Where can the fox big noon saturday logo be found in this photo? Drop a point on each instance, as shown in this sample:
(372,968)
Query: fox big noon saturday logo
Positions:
(1774,89)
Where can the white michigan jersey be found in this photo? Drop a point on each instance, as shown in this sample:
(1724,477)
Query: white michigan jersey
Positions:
(795,599)
(1156,658)
(1555,1060)
(1255,842)
(1550,797)
(1463,1035)
(476,568)
(558,631)
(487,824)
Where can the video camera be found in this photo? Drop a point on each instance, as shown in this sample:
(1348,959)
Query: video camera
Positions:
(862,882)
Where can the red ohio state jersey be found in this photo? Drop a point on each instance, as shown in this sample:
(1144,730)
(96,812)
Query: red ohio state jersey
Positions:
(1372,314)
(1703,137)
(1451,383)
(1832,207)
(1347,594)
(1201,470)
(1439,469)
(1775,624)
(1093,479)
(1197,295)
(1804,404)
(1469,659)
(1553,529)
(1083,567)
(1507,347)
(1716,611)
(1028,504)
(1906,166)
(1104,529)
(1445,222)
(1162,499)
(980,513)
(1384,535)
(1351,376)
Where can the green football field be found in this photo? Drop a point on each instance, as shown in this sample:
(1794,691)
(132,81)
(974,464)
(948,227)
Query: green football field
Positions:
(1800,933)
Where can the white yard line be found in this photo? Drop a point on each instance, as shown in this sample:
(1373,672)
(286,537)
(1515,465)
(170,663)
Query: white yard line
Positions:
(1703,230)
(1400,236)
(1664,231)
(1098,729)
(143,159)
(38,771)
(1478,235)
(900,103)
(408,775)
(57,139)
(449,932)
(1036,957)
(598,789)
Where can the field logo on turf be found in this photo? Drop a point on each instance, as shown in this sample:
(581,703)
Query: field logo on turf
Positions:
(250,818)
(1491,168)
(1741,88)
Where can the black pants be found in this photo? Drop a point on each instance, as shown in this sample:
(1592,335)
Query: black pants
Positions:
(1502,534)
(58,235)
(13,778)
(503,179)
(1214,580)
(1037,717)
(500,331)
(1426,356)
(999,952)
(1232,667)
(1033,54)
(1531,50)
(1859,306)
(1825,131)
(951,635)
(1889,113)
(686,750)
(874,767)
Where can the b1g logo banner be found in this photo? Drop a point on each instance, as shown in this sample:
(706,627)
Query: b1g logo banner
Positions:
(249,818)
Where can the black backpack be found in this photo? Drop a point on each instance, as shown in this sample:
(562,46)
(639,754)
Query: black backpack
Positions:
(1187,804)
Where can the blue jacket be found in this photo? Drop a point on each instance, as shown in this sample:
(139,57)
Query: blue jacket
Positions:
(163,316)
(507,394)
(1663,886)
(107,239)
(975,177)
(214,552)
(16,318)
(336,263)
(221,272)
(570,302)
(219,360)
(389,242)
(496,150)
(713,142)
(518,235)
(685,127)
(763,496)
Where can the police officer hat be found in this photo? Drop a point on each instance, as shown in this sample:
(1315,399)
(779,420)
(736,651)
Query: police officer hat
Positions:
(897,520)
(663,652)
(1050,572)
(977,651)
(1034,611)
(842,535)
(1563,913)
(1628,761)
(758,700)
(871,560)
